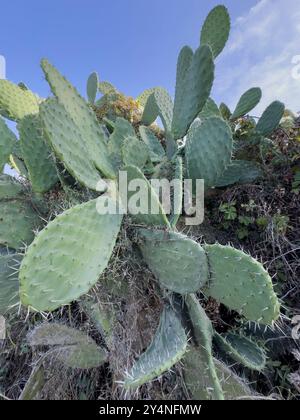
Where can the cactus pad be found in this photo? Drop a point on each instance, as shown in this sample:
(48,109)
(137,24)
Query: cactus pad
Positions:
(18,221)
(167,348)
(122,130)
(233,386)
(242,284)
(200,360)
(106,88)
(270,119)
(159,103)
(179,263)
(155,148)
(134,152)
(68,143)
(92,87)
(176,209)
(225,111)
(59,267)
(210,109)
(10,187)
(215,30)
(70,346)
(247,102)
(145,217)
(208,150)
(83,117)
(9,283)
(16,102)
(197,86)
(240,171)
(7,143)
(37,154)
(242,350)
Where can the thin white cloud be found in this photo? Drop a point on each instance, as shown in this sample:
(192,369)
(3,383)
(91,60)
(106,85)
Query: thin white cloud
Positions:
(260,52)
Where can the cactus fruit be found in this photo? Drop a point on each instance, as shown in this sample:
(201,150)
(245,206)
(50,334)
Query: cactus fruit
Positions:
(68,143)
(247,102)
(36,153)
(83,118)
(17,223)
(215,30)
(208,150)
(210,109)
(242,284)
(167,348)
(195,91)
(145,215)
(270,119)
(16,102)
(70,346)
(58,267)
(7,143)
(200,361)
(92,87)
(10,187)
(9,283)
(134,152)
(242,350)
(240,172)
(179,263)
(156,150)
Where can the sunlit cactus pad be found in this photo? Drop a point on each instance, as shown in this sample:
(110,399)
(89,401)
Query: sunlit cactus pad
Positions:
(67,257)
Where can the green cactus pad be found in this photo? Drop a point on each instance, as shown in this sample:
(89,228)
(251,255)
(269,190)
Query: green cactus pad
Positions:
(159,104)
(92,87)
(240,172)
(184,62)
(156,150)
(37,154)
(233,386)
(10,187)
(68,144)
(225,111)
(67,257)
(143,97)
(179,263)
(208,150)
(122,130)
(270,119)
(134,152)
(215,30)
(242,284)
(167,348)
(199,361)
(16,102)
(106,88)
(9,283)
(34,385)
(18,221)
(247,102)
(103,317)
(83,117)
(210,110)
(7,143)
(134,174)
(242,350)
(70,346)
(197,87)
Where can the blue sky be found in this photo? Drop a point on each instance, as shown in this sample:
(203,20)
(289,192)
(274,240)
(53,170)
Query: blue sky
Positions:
(135,43)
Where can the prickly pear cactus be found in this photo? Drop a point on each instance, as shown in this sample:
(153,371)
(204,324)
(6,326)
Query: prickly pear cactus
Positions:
(7,143)
(168,346)
(59,267)
(15,102)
